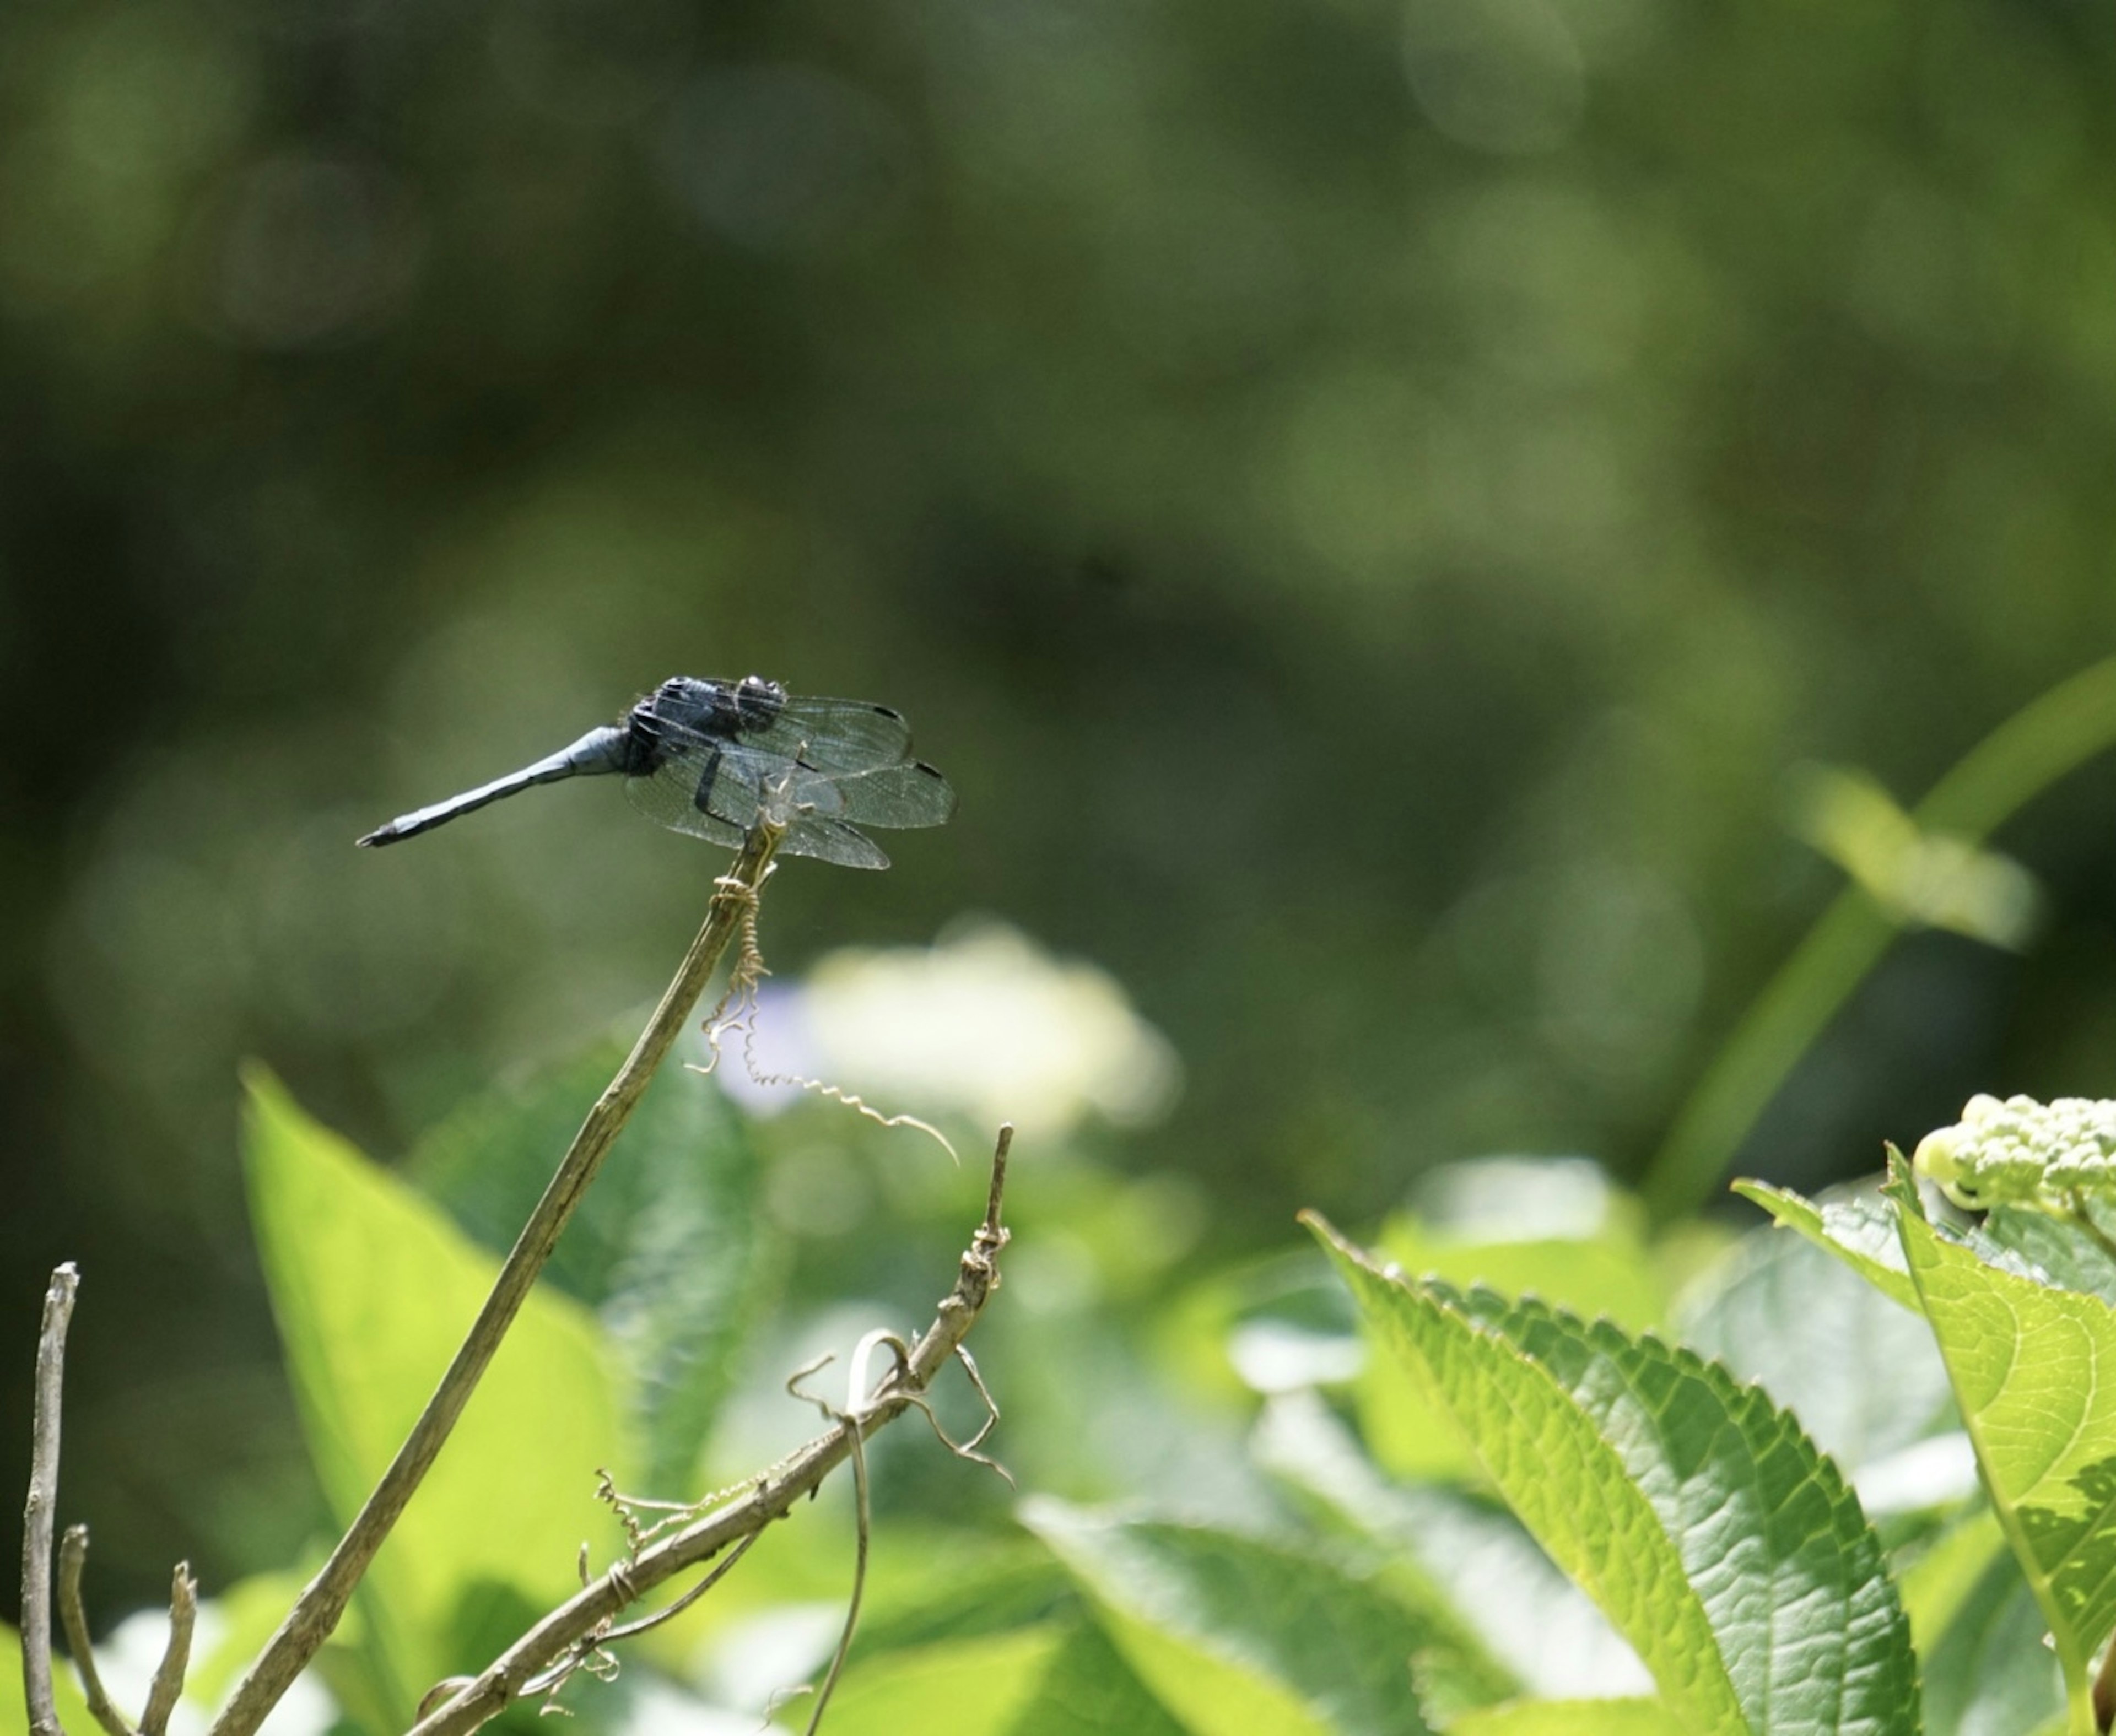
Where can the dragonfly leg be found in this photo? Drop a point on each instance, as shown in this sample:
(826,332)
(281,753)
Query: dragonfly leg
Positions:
(701,798)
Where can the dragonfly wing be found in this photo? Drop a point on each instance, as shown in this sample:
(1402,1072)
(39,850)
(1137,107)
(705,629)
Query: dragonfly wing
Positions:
(697,791)
(834,735)
(832,841)
(913,794)
(794,768)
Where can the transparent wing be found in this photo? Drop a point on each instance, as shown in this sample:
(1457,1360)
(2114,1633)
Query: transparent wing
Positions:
(703,791)
(732,781)
(832,841)
(834,735)
(671,797)
(899,796)
(821,766)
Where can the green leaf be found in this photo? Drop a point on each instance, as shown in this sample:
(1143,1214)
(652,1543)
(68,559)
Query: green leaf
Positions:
(1570,1718)
(373,1288)
(66,1696)
(1055,1678)
(1609,1270)
(1088,1690)
(1722,1545)
(1980,1636)
(969,1593)
(245,1616)
(2034,1370)
(1939,1581)
(1237,1635)
(670,1246)
(1471,1562)
(1857,1228)
(1861,1373)
(2056,1251)
(969,1687)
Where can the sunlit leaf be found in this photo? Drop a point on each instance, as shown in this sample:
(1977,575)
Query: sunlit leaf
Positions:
(1089,1690)
(1570,1718)
(1723,1547)
(1239,1637)
(1980,1636)
(669,1247)
(1858,1229)
(66,1695)
(373,1288)
(1471,1558)
(1053,1679)
(2034,1370)
(1604,1269)
(1926,878)
(2060,1251)
(1859,1372)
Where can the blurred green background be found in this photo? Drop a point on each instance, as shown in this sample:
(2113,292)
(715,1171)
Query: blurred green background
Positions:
(1369,503)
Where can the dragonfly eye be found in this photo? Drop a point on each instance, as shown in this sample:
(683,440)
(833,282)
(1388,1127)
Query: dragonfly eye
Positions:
(757,702)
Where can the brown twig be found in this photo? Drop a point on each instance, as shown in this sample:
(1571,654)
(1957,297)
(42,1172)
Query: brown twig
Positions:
(584,1621)
(73,1616)
(316,1612)
(38,1511)
(168,1682)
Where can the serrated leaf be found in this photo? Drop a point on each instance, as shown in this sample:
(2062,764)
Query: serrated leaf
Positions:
(1540,1632)
(1722,1545)
(2034,1370)
(373,1288)
(1859,1230)
(670,1247)
(1609,1272)
(1861,1373)
(1238,1635)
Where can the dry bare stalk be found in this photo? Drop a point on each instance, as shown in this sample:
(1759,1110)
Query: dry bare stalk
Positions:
(586,1619)
(38,1511)
(73,1616)
(316,1612)
(168,1684)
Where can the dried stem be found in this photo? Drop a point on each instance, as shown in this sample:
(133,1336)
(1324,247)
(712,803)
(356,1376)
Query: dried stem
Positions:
(316,1612)
(73,1614)
(38,1511)
(177,1657)
(584,1621)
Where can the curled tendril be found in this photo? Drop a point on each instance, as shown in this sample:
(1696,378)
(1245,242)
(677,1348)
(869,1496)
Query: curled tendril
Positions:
(736,1012)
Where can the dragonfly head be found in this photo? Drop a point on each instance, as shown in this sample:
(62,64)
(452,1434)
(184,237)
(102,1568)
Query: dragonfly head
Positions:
(757,702)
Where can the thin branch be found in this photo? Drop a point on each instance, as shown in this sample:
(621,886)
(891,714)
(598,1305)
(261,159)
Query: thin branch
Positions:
(73,1614)
(177,1657)
(38,1511)
(992,1200)
(316,1612)
(584,1619)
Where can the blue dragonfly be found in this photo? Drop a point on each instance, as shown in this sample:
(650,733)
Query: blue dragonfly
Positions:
(710,757)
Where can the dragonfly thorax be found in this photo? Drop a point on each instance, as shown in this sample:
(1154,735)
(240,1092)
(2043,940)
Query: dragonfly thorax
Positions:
(686,709)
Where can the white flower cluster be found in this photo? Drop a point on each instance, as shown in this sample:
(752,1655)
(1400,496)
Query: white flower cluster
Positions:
(2021,1152)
